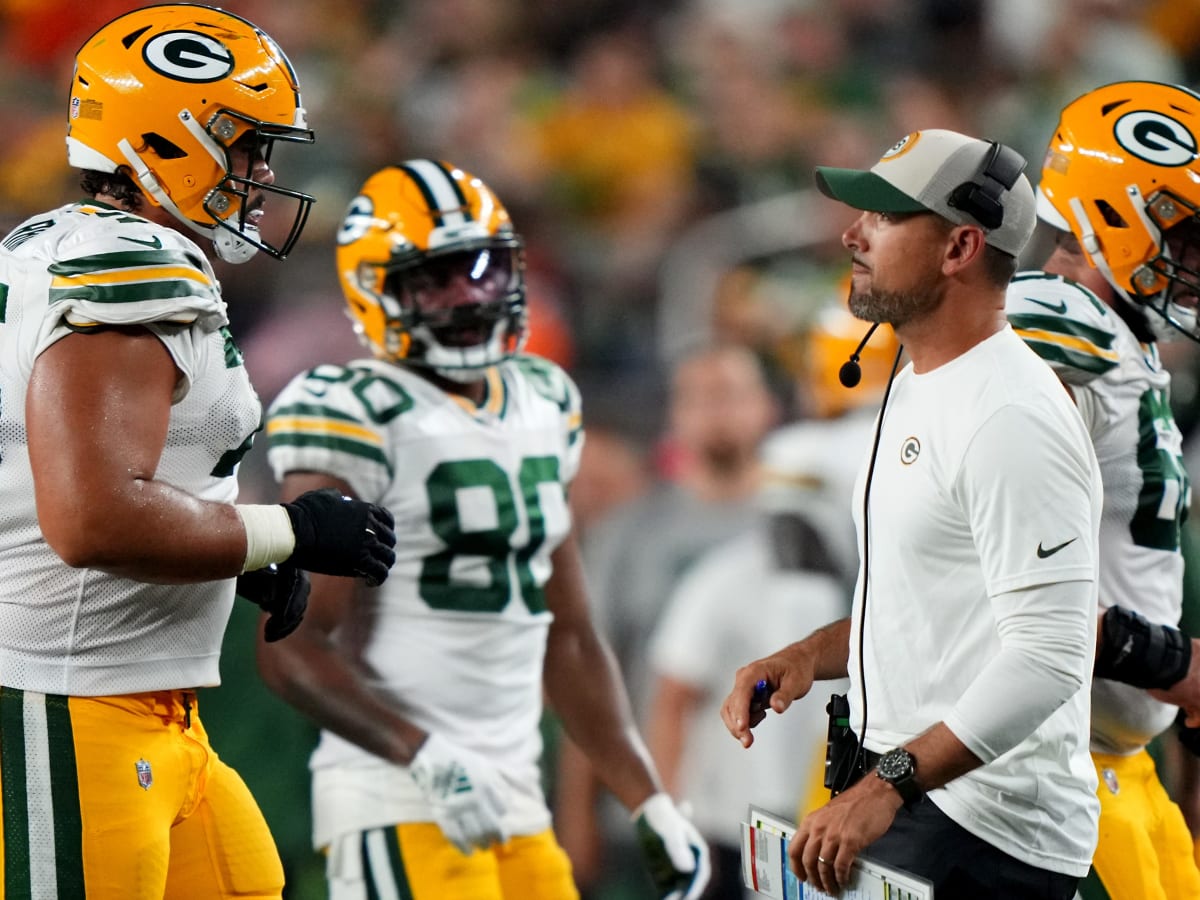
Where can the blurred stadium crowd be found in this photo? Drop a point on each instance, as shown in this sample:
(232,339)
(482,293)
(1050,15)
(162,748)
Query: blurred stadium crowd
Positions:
(653,152)
(657,156)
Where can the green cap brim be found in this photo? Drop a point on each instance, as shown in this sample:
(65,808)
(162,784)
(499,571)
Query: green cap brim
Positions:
(865,190)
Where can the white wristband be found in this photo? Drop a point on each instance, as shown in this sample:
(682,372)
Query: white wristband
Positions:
(269,536)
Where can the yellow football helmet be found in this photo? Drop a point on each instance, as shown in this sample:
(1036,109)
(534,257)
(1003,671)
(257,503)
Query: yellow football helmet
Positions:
(165,92)
(830,338)
(432,270)
(1121,171)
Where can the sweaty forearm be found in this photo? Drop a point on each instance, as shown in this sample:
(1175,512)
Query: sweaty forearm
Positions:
(148,531)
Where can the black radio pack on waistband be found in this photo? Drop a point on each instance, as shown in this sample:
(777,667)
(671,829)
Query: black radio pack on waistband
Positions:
(845,762)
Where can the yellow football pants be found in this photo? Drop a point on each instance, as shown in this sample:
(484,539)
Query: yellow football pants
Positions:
(414,861)
(1145,849)
(122,798)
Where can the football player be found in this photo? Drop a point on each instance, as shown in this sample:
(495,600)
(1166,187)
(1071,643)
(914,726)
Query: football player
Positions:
(426,780)
(124,410)
(1121,186)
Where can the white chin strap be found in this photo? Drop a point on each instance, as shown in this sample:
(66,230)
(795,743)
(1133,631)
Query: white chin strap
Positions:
(230,246)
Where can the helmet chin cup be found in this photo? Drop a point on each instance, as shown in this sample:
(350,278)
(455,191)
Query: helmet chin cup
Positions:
(231,247)
(461,376)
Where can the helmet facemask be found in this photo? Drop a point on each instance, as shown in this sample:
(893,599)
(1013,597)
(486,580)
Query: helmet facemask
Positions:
(235,202)
(459,310)
(1169,283)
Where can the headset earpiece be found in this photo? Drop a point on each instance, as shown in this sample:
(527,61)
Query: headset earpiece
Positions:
(980,199)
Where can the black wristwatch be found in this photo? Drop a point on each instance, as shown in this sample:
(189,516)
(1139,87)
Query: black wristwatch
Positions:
(898,768)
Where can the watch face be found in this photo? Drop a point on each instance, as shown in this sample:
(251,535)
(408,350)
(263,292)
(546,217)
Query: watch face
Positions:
(895,764)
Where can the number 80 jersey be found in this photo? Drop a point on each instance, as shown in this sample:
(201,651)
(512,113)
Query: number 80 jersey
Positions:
(457,633)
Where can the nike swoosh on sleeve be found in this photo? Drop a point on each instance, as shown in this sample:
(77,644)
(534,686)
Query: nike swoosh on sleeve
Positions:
(1060,307)
(1044,552)
(154,243)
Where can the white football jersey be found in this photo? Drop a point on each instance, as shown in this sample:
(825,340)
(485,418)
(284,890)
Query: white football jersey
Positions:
(456,636)
(80,631)
(1122,390)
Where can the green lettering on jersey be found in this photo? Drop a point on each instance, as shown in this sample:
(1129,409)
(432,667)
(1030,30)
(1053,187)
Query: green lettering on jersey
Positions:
(547,379)
(484,486)
(1166,492)
(382,398)
(25,232)
(227,464)
(120,216)
(438,587)
(3,302)
(233,356)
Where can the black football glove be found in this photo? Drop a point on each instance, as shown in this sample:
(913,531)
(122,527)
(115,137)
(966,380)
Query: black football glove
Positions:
(337,535)
(281,590)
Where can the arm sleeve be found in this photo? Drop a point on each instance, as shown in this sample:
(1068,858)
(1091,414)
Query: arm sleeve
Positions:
(1048,641)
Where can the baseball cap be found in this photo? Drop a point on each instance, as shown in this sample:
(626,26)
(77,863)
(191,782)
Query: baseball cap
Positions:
(931,171)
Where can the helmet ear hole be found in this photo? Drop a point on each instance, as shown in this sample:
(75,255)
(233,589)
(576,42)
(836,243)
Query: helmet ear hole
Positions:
(162,148)
(1111,217)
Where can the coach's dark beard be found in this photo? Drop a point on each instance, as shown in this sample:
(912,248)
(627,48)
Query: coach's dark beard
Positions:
(896,308)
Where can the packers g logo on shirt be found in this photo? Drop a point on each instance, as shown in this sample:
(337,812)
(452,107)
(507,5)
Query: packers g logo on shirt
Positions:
(188,56)
(910,450)
(1156,138)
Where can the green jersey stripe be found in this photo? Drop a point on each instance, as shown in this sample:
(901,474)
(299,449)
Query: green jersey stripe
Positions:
(392,842)
(368,871)
(303,441)
(1056,353)
(124,259)
(1059,325)
(17,877)
(131,293)
(64,781)
(314,410)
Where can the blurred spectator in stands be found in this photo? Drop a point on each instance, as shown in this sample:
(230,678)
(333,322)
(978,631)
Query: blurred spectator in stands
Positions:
(719,411)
